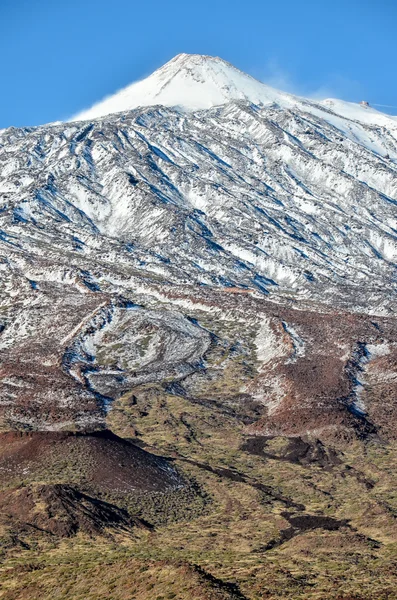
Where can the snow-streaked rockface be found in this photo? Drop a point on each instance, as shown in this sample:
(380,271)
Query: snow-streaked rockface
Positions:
(271,198)
(250,191)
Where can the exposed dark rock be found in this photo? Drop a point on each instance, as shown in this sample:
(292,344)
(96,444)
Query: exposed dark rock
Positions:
(300,524)
(296,450)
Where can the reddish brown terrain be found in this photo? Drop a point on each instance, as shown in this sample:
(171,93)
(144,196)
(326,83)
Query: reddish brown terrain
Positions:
(310,371)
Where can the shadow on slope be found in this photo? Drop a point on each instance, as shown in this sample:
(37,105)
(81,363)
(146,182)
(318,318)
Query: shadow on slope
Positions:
(99,459)
(63,482)
(62,511)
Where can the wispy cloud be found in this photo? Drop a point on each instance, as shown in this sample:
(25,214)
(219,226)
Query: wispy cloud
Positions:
(334,85)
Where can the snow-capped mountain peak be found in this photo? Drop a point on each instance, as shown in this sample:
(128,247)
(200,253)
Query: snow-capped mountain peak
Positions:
(190,82)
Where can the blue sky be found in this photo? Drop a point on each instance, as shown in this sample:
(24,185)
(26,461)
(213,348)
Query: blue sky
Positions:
(58,57)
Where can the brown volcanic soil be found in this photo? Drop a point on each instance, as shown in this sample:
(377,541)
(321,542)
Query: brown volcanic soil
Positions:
(99,460)
(312,393)
(318,387)
(62,511)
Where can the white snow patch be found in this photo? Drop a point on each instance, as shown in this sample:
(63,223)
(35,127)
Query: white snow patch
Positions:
(268,345)
(377,350)
(298,343)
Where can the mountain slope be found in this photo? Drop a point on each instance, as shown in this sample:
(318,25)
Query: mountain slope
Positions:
(268,199)
(214,282)
(102,222)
